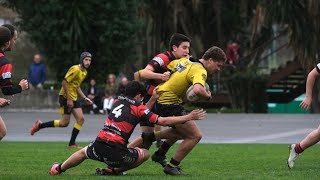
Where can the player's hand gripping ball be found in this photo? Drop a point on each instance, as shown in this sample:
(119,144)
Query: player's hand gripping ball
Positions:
(191,96)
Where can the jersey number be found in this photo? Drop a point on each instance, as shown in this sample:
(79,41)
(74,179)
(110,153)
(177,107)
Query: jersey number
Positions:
(117,111)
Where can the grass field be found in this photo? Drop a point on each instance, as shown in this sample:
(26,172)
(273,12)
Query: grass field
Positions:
(32,160)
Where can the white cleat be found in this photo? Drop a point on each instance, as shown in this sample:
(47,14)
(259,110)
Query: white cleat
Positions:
(292,155)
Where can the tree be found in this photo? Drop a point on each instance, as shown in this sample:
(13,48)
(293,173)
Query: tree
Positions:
(63,29)
(301,17)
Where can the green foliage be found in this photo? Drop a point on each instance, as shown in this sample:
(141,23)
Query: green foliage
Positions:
(64,29)
(247,89)
(32,160)
(302,20)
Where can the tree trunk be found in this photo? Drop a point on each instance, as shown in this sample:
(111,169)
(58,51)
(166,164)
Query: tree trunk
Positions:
(220,36)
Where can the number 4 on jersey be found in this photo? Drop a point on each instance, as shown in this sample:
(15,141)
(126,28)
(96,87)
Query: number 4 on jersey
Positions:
(117,111)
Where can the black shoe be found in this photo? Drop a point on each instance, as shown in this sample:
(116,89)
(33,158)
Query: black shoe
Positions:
(108,172)
(148,138)
(159,159)
(159,143)
(174,171)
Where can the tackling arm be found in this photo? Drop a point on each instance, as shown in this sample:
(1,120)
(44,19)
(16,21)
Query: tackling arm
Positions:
(196,114)
(148,73)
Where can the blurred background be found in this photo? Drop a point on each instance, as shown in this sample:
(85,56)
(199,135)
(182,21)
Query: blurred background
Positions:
(271,45)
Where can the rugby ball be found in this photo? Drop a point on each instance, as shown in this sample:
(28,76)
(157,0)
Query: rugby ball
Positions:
(191,96)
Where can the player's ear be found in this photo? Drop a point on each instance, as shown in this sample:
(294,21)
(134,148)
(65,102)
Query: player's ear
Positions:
(174,47)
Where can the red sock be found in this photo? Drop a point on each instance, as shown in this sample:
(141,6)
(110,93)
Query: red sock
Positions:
(298,148)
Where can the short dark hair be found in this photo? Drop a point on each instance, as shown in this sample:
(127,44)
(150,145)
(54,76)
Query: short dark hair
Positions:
(176,39)
(134,88)
(11,28)
(215,53)
(4,35)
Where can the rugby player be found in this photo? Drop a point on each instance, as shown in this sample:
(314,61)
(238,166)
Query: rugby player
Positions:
(69,102)
(185,72)
(110,146)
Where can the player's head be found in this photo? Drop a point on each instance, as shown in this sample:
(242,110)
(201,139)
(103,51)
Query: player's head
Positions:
(14,35)
(179,45)
(136,90)
(213,59)
(4,38)
(85,59)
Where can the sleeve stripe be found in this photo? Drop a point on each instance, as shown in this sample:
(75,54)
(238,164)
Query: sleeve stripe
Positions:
(318,67)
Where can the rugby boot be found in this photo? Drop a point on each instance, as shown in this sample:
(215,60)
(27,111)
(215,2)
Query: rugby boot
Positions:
(174,171)
(159,159)
(35,127)
(293,155)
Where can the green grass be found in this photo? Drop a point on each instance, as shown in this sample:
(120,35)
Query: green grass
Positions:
(32,160)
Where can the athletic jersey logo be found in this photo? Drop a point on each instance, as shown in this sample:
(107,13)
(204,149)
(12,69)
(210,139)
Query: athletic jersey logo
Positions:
(204,77)
(6,75)
(147,111)
(180,67)
(159,60)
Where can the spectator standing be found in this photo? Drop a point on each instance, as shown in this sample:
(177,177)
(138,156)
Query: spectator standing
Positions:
(232,53)
(37,72)
(109,92)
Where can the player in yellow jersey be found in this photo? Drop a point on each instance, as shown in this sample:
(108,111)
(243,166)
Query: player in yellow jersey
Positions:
(156,72)
(68,99)
(184,74)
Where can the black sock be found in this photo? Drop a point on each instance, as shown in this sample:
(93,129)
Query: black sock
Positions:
(59,168)
(163,149)
(74,135)
(173,163)
(47,124)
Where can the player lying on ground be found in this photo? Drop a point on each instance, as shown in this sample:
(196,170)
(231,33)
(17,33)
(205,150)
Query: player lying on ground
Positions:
(110,145)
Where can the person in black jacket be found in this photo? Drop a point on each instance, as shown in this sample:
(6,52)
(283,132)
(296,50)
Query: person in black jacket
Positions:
(94,94)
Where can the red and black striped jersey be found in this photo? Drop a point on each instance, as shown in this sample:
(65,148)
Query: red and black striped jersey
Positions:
(5,71)
(6,80)
(159,63)
(126,113)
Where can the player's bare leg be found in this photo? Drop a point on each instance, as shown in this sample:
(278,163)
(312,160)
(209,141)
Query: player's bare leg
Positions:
(192,135)
(63,122)
(78,114)
(311,139)
(3,129)
(295,149)
(74,160)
